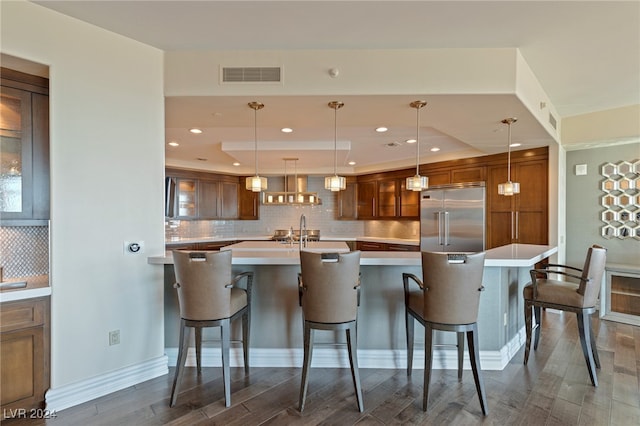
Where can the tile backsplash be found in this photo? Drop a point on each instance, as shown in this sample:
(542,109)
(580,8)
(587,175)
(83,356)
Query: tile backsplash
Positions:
(320,217)
(24,250)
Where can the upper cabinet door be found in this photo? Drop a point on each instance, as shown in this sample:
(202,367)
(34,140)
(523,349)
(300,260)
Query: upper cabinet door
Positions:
(15,154)
(367,192)
(387,198)
(24,147)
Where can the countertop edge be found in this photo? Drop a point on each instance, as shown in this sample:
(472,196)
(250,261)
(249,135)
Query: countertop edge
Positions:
(520,255)
(10,296)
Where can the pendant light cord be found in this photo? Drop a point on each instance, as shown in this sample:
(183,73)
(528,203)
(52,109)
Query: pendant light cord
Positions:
(417,141)
(255,139)
(335,141)
(509,155)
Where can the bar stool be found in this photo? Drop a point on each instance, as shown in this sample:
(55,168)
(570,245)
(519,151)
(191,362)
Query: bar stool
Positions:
(329,286)
(448,300)
(209,297)
(578,294)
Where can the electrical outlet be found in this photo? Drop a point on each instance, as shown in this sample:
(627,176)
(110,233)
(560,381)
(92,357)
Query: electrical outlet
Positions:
(114,337)
(133,247)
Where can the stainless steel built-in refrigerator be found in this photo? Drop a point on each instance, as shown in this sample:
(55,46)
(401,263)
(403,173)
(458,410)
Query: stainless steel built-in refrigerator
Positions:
(452,218)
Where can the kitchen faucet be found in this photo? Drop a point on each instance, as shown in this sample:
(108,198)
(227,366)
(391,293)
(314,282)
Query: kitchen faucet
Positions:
(303,235)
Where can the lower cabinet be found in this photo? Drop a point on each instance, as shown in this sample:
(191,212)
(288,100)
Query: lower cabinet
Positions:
(210,246)
(24,353)
(376,246)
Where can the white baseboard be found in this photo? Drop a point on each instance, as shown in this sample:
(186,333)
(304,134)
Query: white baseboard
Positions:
(62,397)
(337,357)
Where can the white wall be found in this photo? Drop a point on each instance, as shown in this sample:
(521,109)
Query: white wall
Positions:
(107,168)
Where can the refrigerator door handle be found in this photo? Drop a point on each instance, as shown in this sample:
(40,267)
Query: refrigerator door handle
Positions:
(517,225)
(446,228)
(439,219)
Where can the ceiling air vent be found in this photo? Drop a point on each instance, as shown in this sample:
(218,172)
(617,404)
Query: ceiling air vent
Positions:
(552,121)
(251,74)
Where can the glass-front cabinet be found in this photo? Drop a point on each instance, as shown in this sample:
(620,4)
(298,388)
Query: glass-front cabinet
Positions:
(15,147)
(24,147)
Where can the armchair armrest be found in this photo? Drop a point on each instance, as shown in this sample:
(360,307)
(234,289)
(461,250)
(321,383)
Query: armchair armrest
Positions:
(301,288)
(535,275)
(555,265)
(248,283)
(405,281)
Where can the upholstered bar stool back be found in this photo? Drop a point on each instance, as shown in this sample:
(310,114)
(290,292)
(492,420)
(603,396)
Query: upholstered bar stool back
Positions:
(209,296)
(446,299)
(329,281)
(203,278)
(328,286)
(453,288)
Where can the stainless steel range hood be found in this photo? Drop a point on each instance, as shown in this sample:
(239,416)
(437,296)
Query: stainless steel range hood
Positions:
(295,192)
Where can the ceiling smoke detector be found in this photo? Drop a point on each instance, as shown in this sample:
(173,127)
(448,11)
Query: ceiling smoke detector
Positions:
(392,144)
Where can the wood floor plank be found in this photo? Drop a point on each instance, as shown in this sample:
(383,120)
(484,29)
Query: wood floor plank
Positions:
(554,388)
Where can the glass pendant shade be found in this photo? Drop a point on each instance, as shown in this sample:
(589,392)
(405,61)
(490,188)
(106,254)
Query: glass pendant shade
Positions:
(417,183)
(509,188)
(256,183)
(335,183)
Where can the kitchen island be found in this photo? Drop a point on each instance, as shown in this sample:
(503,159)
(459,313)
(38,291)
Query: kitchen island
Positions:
(276,329)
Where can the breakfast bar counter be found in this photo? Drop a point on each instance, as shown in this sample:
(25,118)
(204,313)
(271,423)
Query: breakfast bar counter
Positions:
(276,329)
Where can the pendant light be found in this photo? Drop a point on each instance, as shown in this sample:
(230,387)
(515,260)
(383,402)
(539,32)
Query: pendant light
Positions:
(509,188)
(335,183)
(256,183)
(417,182)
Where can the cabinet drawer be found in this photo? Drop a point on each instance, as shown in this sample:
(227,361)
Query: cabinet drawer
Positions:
(402,247)
(22,314)
(371,246)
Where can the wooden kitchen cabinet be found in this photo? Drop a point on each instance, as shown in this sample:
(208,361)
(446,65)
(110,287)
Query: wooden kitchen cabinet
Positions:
(370,246)
(347,201)
(521,218)
(24,353)
(24,147)
(378,246)
(384,196)
(248,203)
(367,198)
(200,195)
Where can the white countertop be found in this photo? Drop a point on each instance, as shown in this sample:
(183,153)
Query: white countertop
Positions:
(512,255)
(37,286)
(190,240)
(268,246)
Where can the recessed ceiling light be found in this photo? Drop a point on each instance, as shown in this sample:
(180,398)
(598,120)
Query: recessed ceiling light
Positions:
(196,131)
(381,129)
(515,145)
(236,164)
(434,149)
(352,163)
(286,130)
(410,141)
(172,143)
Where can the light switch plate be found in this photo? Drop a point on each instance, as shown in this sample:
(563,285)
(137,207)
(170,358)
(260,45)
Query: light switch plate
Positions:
(581,169)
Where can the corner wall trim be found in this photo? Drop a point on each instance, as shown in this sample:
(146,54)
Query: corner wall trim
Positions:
(62,397)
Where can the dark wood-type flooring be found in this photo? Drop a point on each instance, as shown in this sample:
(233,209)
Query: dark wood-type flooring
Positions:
(554,389)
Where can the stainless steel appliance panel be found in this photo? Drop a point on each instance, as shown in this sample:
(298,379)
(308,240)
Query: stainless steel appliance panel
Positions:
(453,219)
